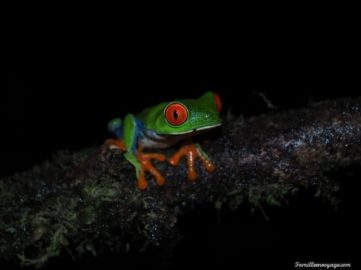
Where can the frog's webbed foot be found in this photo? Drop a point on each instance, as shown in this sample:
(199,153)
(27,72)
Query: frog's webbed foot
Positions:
(116,143)
(192,152)
(141,161)
(147,166)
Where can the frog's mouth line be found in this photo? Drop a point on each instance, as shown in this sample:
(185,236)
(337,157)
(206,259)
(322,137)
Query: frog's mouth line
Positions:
(207,127)
(193,130)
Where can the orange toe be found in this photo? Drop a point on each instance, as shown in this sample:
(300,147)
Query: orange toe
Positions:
(210,167)
(192,176)
(160,180)
(142,184)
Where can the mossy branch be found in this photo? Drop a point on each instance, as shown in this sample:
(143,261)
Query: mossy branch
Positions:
(87,201)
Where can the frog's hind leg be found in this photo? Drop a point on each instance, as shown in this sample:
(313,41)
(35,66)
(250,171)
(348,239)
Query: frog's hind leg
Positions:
(116,143)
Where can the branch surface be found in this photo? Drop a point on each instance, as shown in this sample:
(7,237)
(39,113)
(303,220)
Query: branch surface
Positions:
(88,201)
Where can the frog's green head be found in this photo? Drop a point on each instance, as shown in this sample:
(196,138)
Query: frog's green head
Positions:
(184,116)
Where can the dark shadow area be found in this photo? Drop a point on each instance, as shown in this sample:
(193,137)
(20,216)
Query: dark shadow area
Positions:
(52,101)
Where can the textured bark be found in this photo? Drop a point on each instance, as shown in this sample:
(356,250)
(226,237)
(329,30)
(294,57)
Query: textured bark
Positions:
(88,201)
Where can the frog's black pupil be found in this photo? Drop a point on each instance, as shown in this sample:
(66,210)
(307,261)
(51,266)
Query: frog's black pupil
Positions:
(175,114)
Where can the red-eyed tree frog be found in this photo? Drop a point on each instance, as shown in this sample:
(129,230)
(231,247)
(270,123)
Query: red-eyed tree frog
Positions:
(162,126)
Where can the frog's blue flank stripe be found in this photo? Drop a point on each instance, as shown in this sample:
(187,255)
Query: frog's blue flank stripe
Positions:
(138,133)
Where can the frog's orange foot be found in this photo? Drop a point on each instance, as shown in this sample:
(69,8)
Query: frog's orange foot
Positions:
(114,143)
(147,166)
(192,152)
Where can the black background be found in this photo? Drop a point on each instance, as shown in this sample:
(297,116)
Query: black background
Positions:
(61,84)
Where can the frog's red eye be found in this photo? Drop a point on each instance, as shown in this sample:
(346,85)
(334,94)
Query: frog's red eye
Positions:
(218,102)
(176,113)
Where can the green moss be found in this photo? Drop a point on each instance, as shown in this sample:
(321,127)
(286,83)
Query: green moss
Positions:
(57,241)
(272,194)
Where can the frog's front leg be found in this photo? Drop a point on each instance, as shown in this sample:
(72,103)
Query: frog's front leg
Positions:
(140,160)
(143,163)
(147,166)
(192,151)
